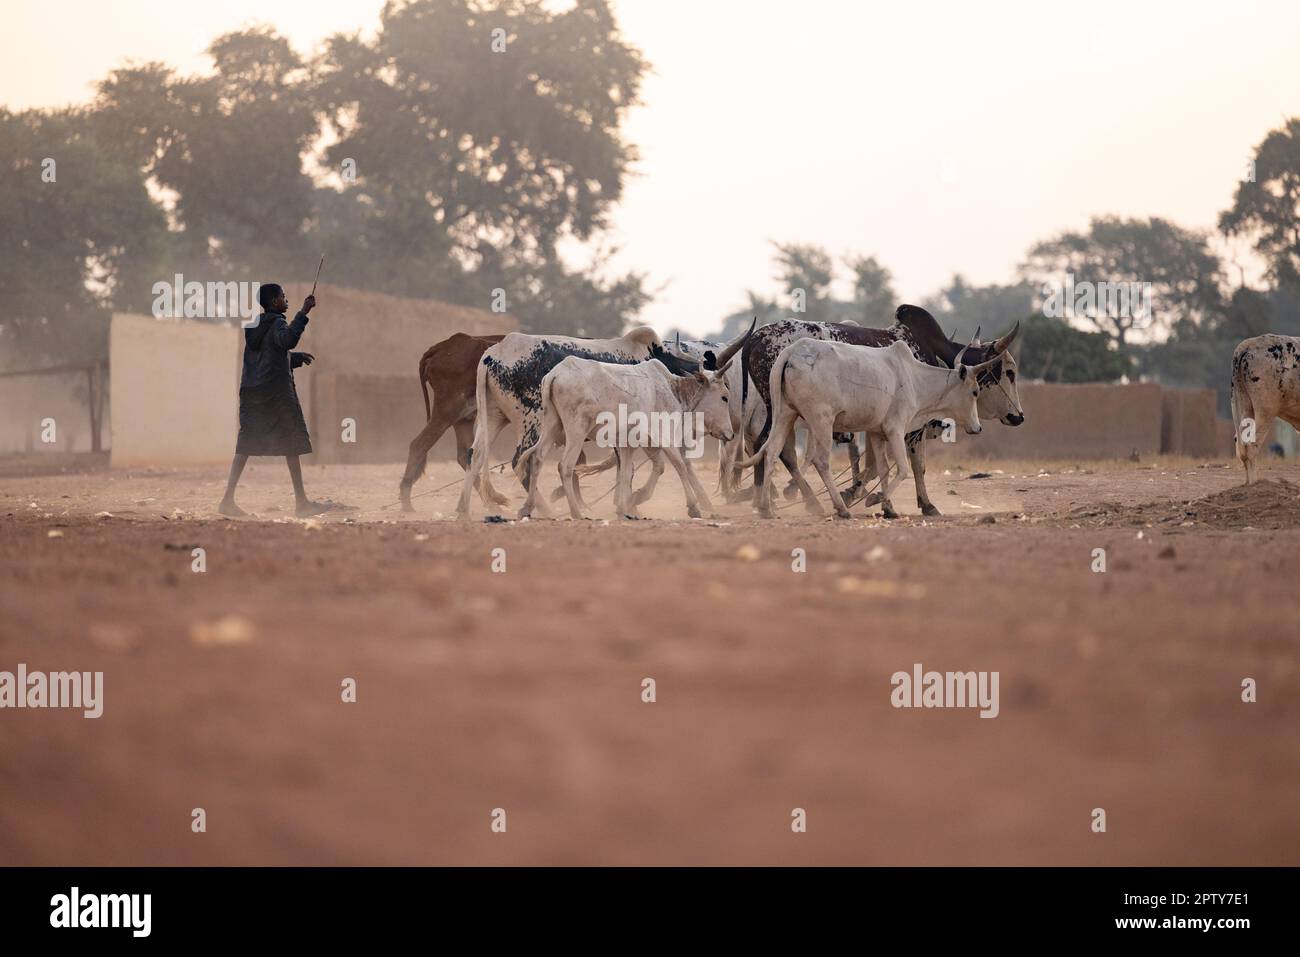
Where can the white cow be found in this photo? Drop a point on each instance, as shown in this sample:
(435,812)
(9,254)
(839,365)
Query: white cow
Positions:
(746,422)
(838,387)
(508,391)
(581,398)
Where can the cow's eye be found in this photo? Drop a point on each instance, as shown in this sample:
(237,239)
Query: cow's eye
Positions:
(1011,376)
(724,398)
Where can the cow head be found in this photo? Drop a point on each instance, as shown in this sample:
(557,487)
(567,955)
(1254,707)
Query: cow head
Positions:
(677,363)
(962,395)
(999,396)
(715,396)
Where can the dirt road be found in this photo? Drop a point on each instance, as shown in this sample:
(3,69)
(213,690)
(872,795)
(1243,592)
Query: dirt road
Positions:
(522,690)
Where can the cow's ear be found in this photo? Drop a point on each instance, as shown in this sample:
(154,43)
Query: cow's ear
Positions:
(710,360)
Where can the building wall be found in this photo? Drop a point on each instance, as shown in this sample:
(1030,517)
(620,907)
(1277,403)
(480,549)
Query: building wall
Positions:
(1102,421)
(173,388)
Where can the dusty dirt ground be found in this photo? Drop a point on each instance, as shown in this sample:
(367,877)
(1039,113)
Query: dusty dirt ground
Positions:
(522,690)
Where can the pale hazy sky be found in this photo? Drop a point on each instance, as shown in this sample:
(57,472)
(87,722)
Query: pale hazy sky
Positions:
(941,137)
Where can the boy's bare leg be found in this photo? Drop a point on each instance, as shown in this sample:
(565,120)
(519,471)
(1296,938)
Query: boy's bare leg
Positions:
(306,506)
(228,506)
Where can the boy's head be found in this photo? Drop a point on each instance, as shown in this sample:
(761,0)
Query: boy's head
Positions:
(271,297)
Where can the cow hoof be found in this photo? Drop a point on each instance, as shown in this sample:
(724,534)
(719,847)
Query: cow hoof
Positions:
(929,509)
(408,507)
(557,494)
(888,512)
(844,514)
(693,512)
(814,508)
(875,498)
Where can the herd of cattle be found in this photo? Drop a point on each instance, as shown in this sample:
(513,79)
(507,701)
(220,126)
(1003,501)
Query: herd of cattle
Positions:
(896,386)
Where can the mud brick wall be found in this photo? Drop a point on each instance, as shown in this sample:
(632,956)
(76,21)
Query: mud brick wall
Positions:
(1189,424)
(173,391)
(387,410)
(1087,421)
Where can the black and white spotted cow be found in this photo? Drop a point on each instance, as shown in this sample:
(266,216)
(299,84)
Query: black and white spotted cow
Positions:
(508,392)
(1265,386)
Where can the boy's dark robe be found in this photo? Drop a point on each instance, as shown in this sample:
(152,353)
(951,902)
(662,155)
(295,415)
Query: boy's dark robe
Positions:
(270,416)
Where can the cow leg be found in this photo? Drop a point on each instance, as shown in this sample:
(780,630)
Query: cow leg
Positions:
(695,494)
(898,452)
(489,423)
(657,469)
(726,453)
(916,456)
(763,469)
(1247,406)
(872,468)
(820,443)
(464,452)
(623,504)
(552,433)
(418,454)
(790,459)
(568,477)
(855,462)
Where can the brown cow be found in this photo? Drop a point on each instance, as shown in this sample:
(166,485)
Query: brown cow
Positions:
(449,368)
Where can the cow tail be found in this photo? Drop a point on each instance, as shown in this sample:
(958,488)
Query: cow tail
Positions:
(1239,398)
(424,387)
(543,430)
(775,401)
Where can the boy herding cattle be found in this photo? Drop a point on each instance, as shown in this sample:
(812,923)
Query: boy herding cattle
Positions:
(270,416)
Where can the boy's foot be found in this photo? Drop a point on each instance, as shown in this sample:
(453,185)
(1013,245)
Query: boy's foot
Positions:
(306,509)
(230,508)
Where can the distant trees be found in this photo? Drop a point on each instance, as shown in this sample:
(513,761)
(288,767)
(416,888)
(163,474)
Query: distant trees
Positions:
(963,309)
(1182,273)
(1266,205)
(1055,351)
(437,159)
(81,236)
(873,291)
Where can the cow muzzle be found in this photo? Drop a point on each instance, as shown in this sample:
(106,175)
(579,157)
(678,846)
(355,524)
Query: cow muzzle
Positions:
(975,431)
(1013,418)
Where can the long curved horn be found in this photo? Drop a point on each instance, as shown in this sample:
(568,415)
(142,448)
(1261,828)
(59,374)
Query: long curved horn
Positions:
(733,347)
(679,340)
(1004,343)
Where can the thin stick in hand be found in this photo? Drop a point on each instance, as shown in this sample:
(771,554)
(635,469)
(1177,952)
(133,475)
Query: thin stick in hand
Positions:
(317,279)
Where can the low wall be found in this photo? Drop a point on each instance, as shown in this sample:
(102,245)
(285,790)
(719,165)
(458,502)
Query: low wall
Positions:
(174,391)
(1104,421)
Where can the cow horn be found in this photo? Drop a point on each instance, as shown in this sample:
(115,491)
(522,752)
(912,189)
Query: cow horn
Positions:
(735,345)
(679,340)
(1004,343)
